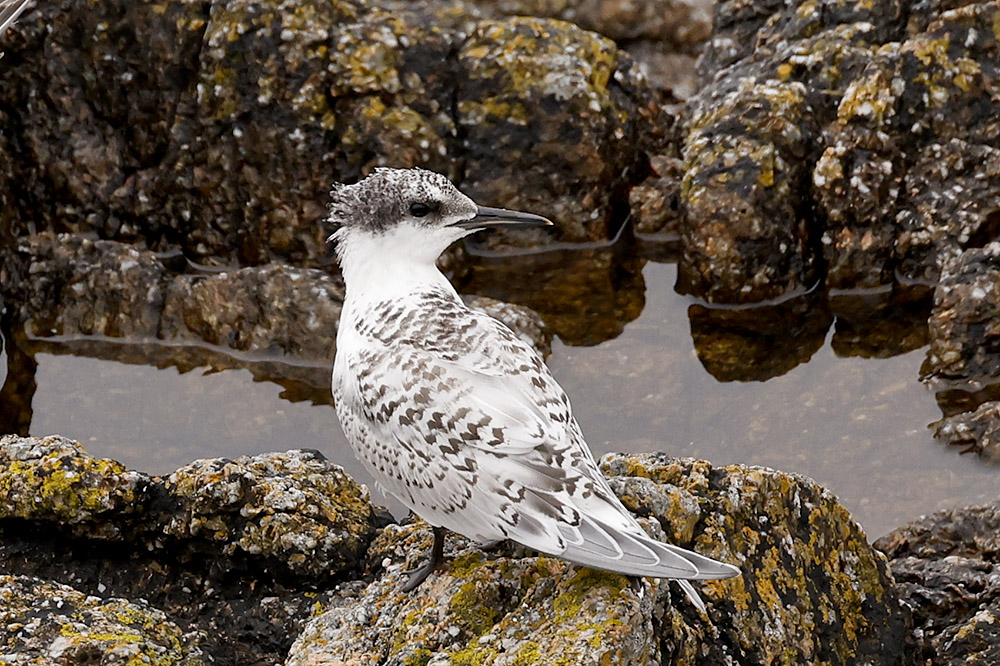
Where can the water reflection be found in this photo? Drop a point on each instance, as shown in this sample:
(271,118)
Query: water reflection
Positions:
(585,296)
(757,344)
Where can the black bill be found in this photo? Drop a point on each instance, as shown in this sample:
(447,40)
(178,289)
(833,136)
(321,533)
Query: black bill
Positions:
(500,217)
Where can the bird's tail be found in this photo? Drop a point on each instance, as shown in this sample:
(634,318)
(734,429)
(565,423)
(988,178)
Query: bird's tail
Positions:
(598,545)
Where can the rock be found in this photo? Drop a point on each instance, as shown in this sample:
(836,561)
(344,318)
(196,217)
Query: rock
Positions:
(974,431)
(681,24)
(883,169)
(745,235)
(43,622)
(216,130)
(902,179)
(53,481)
(234,548)
(551,116)
(790,538)
(655,202)
(663,36)
(948,573)
(66,285)
(483,609)
(965,321)
(269,310)
(303,515)
(759,343)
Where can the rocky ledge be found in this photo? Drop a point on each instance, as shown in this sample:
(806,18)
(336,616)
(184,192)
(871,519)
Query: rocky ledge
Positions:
(283,558)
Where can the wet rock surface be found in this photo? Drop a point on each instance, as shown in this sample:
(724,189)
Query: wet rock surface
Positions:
(947,567)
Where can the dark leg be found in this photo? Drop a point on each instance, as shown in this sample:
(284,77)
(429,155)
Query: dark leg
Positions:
(436,559)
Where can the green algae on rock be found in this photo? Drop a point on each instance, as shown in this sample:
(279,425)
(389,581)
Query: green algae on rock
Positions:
(49,624)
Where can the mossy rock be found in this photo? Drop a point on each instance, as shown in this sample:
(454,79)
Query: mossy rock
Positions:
(813,591)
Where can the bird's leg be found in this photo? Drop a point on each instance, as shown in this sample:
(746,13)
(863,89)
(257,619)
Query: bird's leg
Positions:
(435,560)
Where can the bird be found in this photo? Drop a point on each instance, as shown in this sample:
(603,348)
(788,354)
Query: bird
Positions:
(9,11)
(450,411)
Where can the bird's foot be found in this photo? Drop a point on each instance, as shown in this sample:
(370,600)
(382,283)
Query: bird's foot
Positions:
(436,559)
(418,575)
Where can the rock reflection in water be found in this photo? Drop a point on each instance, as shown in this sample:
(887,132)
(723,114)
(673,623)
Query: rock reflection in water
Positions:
(759,343)
(881,324)
(585,296)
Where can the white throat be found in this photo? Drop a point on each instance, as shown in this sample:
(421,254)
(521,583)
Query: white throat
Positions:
(395,262)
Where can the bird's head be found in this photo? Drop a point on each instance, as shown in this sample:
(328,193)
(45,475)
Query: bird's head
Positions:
(412,210)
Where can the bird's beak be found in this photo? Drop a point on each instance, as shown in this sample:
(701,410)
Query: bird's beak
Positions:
(500,217)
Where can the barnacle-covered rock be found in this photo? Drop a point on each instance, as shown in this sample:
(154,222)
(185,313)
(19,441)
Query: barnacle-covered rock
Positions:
(47,623)
(745,234)
(53,481)
(293,509)
(791,540)
(888,176)
(483,608)
(551,117)
(947,568)
(973,432)
(965,321)
(903,178)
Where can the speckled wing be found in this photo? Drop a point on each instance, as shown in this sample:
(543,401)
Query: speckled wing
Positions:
(485,443)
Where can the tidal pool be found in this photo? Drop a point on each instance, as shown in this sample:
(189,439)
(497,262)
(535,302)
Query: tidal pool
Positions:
(810,395)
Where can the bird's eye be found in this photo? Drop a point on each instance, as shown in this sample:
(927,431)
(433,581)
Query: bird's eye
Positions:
(419,209)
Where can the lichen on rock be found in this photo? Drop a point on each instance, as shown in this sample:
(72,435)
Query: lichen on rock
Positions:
(44,623)
(54,481)
(295,509)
